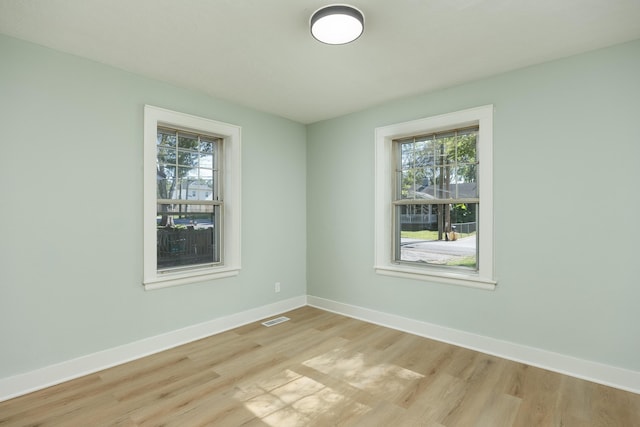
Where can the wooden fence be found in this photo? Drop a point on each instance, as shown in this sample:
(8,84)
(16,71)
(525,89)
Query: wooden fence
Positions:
(178,247)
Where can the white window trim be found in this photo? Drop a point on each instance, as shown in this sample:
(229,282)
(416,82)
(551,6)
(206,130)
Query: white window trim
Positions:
(482,278)
(153,116)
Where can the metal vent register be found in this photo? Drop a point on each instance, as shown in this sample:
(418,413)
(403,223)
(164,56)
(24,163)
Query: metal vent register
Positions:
(275,321)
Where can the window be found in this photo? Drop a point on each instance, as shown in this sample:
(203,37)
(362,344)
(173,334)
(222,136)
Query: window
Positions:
(434,203)
(188,226)
(192,199)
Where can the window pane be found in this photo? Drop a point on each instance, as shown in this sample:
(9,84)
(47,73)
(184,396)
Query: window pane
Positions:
(187,159)
(437,234)
(205,173)
(166,181)
(188,235)
(166,156)
(206,161)
(187,189)
(166,138)
(206,144)
(187,172)
(411,184)
(200,189)
(187,141)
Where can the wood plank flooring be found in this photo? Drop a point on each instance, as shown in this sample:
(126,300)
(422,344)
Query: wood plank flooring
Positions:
(323,369)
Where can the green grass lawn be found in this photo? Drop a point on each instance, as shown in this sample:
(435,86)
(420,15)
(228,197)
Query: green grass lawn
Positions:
(433,235)
(469,261)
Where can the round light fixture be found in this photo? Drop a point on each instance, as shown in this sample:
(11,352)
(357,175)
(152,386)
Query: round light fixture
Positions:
(337,24)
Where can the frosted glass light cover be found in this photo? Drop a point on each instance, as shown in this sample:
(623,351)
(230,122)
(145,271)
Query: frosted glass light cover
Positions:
(337,24)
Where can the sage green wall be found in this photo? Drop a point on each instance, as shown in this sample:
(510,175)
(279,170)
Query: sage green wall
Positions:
(566,150)
(566,176)
(71,210)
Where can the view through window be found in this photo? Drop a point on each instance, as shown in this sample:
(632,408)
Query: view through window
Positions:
(436,199)
(189,200)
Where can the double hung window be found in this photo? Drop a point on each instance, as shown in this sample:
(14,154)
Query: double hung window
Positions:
(434,208)
(192,199)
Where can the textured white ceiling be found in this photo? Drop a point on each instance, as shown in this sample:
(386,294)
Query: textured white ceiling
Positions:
(259,53)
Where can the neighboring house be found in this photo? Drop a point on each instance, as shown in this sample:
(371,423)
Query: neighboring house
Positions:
(425,217)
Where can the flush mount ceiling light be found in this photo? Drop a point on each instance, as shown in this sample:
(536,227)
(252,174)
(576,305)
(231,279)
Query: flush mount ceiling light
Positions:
(337,24)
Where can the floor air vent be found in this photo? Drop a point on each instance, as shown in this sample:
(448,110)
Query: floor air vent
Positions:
(275,321)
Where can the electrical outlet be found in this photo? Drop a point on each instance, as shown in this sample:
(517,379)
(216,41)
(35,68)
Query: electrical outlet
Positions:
(277,286)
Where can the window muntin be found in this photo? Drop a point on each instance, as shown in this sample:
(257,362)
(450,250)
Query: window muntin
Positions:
(436,199)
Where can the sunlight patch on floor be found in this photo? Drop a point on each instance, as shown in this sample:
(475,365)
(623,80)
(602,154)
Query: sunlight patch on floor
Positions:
(291,399)
(368,376)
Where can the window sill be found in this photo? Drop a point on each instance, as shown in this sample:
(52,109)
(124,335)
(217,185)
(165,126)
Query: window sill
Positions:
(468,280)
(177,279)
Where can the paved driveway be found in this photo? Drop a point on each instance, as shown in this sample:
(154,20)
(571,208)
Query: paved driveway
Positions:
(437,251)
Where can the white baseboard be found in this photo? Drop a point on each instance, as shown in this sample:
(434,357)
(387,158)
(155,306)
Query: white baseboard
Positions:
(55,374)
(620,378)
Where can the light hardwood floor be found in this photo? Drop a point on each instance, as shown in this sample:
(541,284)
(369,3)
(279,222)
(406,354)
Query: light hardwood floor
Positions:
(323,369)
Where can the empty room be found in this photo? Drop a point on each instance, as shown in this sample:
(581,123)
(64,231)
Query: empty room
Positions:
(302,213)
